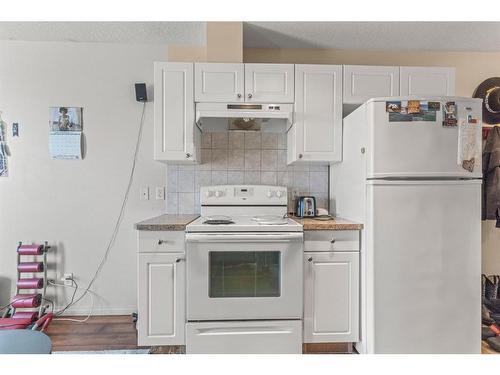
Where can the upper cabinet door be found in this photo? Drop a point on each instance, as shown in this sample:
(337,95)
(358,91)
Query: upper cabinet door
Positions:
(317,136)
(364,82)
(219,82)
(269,83)
(174,112)
(427,81)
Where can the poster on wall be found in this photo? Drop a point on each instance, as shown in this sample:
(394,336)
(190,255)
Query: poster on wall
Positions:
(4,171)
(65,139)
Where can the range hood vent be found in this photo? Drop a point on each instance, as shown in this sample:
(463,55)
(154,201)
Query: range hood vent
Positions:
(244,111)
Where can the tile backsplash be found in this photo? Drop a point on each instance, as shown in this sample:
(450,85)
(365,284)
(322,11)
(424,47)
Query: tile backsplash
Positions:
(242,158)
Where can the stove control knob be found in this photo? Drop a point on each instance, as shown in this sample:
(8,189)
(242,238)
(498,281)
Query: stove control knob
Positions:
(279,193)
(219,193)
(270,193)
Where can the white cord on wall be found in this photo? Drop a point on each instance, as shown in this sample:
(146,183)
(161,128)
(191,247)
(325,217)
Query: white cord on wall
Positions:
(117,225)
(91,293)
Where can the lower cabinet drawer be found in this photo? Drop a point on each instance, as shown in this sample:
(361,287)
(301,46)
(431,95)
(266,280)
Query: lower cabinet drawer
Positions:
(331,240)
(161,241)
(262,337)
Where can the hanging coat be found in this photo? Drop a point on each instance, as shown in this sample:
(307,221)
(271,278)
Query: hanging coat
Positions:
(491,176)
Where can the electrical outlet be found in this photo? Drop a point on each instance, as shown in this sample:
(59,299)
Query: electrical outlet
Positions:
(160,192)
(144,193)
(67,278)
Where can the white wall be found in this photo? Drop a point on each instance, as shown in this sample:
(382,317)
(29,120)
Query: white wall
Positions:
(74,204)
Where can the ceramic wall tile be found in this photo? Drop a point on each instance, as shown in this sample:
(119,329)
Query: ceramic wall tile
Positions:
(252,159)
(219,140)
(252,178)
(268,178)
(219,159)
(172,179)
(269,160)
(202,178)
(242,158)
(172,203)
(269,141)
(253,140)
(236,177)
(237,140)
(186,203)
(206,140)
(318,181)
(219,177)
(236,159)
(186,181)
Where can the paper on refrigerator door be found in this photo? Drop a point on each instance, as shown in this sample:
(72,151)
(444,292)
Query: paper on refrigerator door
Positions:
(469,150)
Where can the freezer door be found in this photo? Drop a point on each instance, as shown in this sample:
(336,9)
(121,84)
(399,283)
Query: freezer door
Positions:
(418,148)
(424,252)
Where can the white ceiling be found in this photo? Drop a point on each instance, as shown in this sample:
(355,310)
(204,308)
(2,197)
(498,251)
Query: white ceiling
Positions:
(445,36)
(187,33)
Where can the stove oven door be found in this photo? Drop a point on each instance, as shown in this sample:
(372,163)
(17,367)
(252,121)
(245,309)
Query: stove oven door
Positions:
(238,276)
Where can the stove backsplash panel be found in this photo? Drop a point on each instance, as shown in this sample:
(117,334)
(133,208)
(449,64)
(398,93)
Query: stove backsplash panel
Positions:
(243,158)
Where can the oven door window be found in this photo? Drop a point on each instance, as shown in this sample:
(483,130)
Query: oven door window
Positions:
(244,274)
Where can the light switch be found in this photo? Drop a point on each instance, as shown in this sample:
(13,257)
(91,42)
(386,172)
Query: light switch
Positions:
(160,192)
(144,193)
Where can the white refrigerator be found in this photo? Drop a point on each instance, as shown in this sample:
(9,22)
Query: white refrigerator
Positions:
(402,177)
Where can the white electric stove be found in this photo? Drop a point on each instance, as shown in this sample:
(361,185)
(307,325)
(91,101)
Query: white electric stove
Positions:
(244,273)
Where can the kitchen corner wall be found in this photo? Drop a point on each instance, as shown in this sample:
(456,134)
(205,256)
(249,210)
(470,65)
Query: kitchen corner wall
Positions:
(242,158)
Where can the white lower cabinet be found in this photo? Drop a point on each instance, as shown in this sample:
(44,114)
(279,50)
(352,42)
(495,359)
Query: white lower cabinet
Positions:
(246,337)
(331,297)
(161,299)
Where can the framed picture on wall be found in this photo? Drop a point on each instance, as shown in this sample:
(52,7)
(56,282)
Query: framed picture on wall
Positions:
(65,119)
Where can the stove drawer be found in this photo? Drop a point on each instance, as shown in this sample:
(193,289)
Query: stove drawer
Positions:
(162,242)
(331,240)
(245,337)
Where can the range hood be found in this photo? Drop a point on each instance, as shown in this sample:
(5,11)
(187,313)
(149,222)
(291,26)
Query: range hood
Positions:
(244,111)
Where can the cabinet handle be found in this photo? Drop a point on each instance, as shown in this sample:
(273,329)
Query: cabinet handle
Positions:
(188,155)
(250,96)
(301,156)
(178,260)
(333,240)
(239,95)
(161,242)
(310,259)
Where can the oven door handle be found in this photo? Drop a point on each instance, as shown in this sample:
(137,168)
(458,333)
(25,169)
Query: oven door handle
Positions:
(248,237)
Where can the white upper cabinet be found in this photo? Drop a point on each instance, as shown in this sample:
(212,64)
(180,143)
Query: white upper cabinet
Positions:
(316,135)
(427,81)
(176,135)
(363,82)
(217,82)
(272,83)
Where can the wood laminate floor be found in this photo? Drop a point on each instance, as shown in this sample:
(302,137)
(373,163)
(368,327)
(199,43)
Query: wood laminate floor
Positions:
(111,332)
(107,332)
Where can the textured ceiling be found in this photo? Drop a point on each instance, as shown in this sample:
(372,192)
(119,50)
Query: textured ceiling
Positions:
(446,36)
(187,33)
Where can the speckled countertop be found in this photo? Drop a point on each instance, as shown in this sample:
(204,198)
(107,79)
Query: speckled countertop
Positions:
(166,222)
(334,224)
